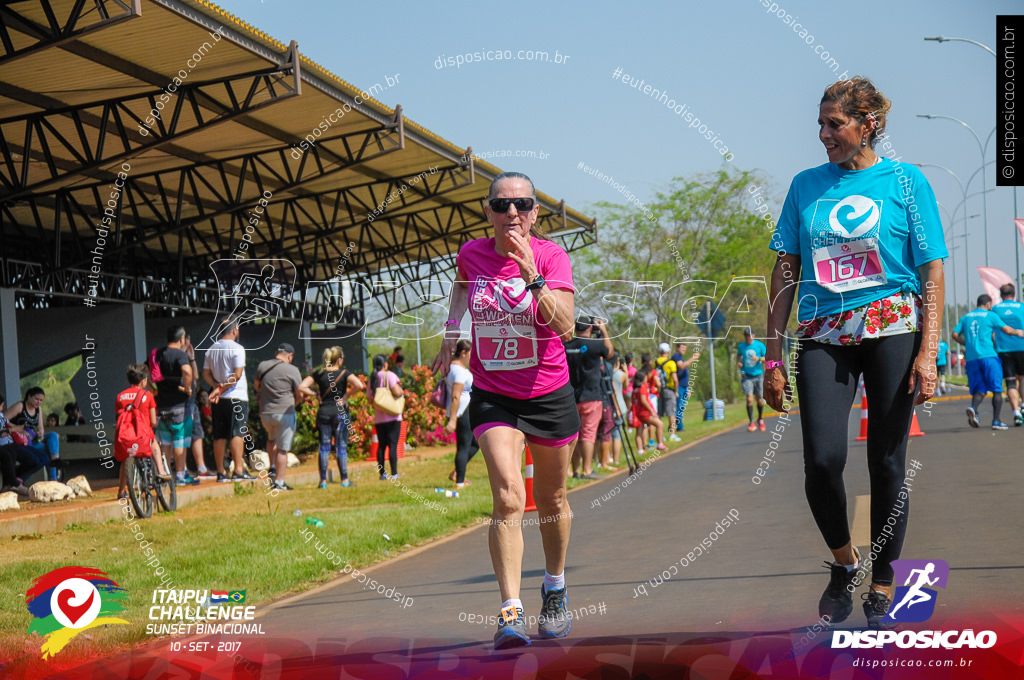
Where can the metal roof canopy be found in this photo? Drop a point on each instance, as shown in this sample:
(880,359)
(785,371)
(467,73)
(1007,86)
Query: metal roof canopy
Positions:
(80,81)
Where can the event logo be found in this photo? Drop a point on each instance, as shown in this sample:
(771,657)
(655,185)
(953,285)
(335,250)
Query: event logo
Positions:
(69,600)
(853,217)
(252,292)
(914,601)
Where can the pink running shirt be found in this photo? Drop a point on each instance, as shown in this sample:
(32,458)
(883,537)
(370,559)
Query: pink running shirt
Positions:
(514,352)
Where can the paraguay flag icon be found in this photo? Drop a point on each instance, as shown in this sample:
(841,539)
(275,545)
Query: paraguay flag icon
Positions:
(218,597)
(70,600)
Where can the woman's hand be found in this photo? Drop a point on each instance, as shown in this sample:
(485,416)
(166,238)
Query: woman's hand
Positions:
(523,256)
(923,375)
(449,427)
(444,355)
(776,386)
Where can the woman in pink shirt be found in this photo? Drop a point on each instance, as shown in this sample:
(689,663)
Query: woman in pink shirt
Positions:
(388,425)
(517,286)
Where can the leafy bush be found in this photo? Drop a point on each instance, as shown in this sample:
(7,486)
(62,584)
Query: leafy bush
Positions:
(426,421)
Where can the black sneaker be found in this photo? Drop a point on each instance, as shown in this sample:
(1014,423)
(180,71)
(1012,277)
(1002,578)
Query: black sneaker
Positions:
(511,633)
(244,477)
(282,486)
(876,606)
(223,478)
(837,600)
(554,620)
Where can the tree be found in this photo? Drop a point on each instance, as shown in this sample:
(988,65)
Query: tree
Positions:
(651,266)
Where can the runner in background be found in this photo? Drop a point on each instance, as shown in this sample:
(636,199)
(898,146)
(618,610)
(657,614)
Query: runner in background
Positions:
(863,237)
(976,331)
(1011,348)
(518,288)
(668,376)
(941,363)
(750,360)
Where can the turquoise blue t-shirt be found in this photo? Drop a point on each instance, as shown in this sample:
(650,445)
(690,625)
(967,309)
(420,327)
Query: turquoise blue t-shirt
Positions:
(751,356)
(831,208)
(977,328)
(943,356)
(1011,313)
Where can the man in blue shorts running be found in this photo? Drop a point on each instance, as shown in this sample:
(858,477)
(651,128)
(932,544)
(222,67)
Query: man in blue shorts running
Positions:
(976,332)
(1010,348)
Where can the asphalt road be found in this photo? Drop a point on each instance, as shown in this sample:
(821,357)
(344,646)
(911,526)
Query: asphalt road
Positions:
(763,573)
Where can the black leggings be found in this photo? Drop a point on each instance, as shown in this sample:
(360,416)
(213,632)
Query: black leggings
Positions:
(387,438)
(465,446)
(827,384)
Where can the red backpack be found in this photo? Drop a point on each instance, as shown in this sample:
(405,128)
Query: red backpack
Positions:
(134,433)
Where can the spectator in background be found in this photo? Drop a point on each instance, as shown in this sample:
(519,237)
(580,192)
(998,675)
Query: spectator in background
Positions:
(138,397)
(388,425)
(17,461)
(224,370)
(395,353)
(645,418)
(683,380)
(336,386)
(399,364)
(73,415)
(279,387)
(460,386)
(52,421)
(627,360)
(173,430)
(619,382)
(750,360)
(584,354)
(193,424)
(653,391)
(667,376)
(27,416)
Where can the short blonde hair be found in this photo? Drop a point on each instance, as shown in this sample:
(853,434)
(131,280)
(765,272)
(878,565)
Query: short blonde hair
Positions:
(333,355)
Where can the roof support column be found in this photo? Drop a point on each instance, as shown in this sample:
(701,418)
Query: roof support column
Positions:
(10,369)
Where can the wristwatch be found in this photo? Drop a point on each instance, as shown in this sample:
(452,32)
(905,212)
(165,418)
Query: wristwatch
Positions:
(773,363)
(537,283)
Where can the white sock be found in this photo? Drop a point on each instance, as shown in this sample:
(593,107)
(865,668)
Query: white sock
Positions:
(517,603)
(553,582)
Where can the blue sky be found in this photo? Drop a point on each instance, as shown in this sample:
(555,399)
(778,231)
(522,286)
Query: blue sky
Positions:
(745,73)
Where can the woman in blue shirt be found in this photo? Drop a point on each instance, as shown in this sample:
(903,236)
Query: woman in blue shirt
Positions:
(862,236)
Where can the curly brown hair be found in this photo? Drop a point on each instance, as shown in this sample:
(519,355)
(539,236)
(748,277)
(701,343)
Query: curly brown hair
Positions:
(859,98)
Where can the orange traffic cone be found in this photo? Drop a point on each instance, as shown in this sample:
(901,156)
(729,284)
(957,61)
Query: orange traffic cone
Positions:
(374,444)
(863,418)
(402,436)
(528,475)
(915,429)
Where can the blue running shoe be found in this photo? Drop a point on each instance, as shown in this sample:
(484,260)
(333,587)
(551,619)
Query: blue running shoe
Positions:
(512,632)
(999,425)
(554,620)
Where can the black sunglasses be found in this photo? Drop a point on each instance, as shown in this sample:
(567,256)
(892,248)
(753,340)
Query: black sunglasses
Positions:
(501,205)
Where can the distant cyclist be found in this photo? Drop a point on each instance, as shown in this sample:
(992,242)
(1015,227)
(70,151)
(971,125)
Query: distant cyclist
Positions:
(976,331)
(1010,348)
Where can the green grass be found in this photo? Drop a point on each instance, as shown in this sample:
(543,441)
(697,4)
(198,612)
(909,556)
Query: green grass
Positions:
(252,542)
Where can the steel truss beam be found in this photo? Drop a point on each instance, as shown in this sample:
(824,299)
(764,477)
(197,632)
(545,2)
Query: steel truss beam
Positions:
(77,20)
(75,141)
(39,287)
(234,184)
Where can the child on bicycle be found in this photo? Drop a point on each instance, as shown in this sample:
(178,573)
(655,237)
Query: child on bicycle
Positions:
(137,394)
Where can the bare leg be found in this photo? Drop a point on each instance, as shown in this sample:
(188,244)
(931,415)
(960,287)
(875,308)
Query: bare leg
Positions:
(218,454)
(550,466)
(502,449)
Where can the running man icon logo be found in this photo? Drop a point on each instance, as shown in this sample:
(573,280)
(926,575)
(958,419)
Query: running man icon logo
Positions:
(914,601)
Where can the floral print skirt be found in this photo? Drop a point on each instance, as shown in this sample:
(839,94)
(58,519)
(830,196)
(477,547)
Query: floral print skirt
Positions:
(898,313)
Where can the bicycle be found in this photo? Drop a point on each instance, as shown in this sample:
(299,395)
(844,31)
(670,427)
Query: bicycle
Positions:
(143,484)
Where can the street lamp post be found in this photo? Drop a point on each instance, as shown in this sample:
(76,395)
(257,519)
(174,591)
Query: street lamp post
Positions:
(942,39)
(984,182)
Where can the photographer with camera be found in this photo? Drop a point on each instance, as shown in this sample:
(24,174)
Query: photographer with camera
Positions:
(585,353)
